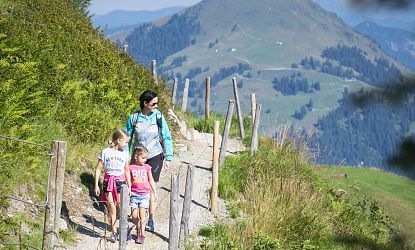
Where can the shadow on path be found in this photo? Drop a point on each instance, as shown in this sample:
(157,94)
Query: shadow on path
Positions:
(193,201)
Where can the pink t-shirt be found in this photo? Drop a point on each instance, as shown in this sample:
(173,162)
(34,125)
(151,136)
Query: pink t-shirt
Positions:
(139,179)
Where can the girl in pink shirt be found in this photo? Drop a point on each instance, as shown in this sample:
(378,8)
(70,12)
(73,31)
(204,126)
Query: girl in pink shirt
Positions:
(142,183)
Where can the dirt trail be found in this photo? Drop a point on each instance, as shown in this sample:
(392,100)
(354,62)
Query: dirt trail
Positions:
(197,152)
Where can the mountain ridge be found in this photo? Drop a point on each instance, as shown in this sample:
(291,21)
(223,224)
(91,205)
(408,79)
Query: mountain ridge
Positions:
(398,43)
(119,20)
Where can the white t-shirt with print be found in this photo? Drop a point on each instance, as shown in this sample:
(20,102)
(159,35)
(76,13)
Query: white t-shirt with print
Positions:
(114,161)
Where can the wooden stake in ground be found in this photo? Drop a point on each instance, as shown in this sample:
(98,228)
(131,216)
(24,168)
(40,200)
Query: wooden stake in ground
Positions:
(253,107)
(207,98)
(215,169)
(154,69)
(254,142)
(55,193)
(184,225)
(238,109)
(173,96)
(174,222)
(124,205)
(226,130)
(185,94)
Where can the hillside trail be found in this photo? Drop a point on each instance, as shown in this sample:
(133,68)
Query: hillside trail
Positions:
(90,219)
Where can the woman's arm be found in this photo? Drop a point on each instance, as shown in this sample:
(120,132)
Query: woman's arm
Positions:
(167,140)
(97,175)
(129,130)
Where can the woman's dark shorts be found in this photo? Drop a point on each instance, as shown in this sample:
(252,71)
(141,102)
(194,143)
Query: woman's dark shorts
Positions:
(156,164)
(118,184)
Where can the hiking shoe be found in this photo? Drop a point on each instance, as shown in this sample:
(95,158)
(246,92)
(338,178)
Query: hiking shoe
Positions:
(113,238)
(150,225)
(129,233)
(140,239)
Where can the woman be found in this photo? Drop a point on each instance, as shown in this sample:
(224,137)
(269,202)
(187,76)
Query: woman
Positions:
(148,128)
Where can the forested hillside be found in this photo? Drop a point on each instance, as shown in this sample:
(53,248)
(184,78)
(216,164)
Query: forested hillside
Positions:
(367,130)
(353,63)
(180,29)
(60,79)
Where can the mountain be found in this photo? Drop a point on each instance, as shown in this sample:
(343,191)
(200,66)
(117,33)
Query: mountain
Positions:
(120,20)
(256,42)
(398,43)
(300,60)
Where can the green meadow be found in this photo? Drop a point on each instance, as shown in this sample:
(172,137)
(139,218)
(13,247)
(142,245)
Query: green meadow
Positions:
(395,193)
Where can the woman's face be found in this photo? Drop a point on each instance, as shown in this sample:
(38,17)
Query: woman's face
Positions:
(153,104)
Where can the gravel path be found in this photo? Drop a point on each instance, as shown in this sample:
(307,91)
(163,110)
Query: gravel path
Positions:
(91,223)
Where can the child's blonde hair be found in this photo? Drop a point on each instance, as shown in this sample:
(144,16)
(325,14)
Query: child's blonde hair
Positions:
(118,134)
(140,150)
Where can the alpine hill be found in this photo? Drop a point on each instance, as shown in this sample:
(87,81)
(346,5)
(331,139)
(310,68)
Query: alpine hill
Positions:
(257,41)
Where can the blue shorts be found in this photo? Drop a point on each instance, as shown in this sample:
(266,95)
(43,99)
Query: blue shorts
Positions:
(139,200)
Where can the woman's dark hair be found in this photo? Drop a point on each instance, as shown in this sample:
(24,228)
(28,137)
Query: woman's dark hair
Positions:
(146,96)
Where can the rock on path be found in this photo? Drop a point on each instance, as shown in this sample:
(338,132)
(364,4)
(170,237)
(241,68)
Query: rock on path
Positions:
(197,152)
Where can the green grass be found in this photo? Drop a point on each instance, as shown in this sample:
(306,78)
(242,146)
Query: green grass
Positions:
(54,88)
(286,204)
(395,193)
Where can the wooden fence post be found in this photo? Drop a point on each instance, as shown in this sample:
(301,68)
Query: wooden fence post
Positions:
(215,170)
(225,134)
(124,205)
(55,193)
(207,98)
(184,225)
(174,223)
(60,176)
(185,94)
(238,109)
(173,96)
(253,107)
(154,69)
(254,142)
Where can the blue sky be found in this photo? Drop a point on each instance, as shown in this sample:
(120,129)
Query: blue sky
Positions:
(100,7)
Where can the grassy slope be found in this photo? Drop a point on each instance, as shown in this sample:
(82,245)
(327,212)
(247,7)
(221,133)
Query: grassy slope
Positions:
(287,205)
(396,193)
(60,79)
(280,107)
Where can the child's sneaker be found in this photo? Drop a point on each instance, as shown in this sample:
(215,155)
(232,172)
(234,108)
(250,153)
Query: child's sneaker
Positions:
(140,239)
(150,225)
(114,237)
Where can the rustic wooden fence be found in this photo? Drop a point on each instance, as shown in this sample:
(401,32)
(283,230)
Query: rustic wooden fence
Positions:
(54,193)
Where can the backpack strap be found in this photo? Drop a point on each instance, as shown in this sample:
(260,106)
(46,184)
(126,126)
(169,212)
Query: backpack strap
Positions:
(160,127)
(135,117)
